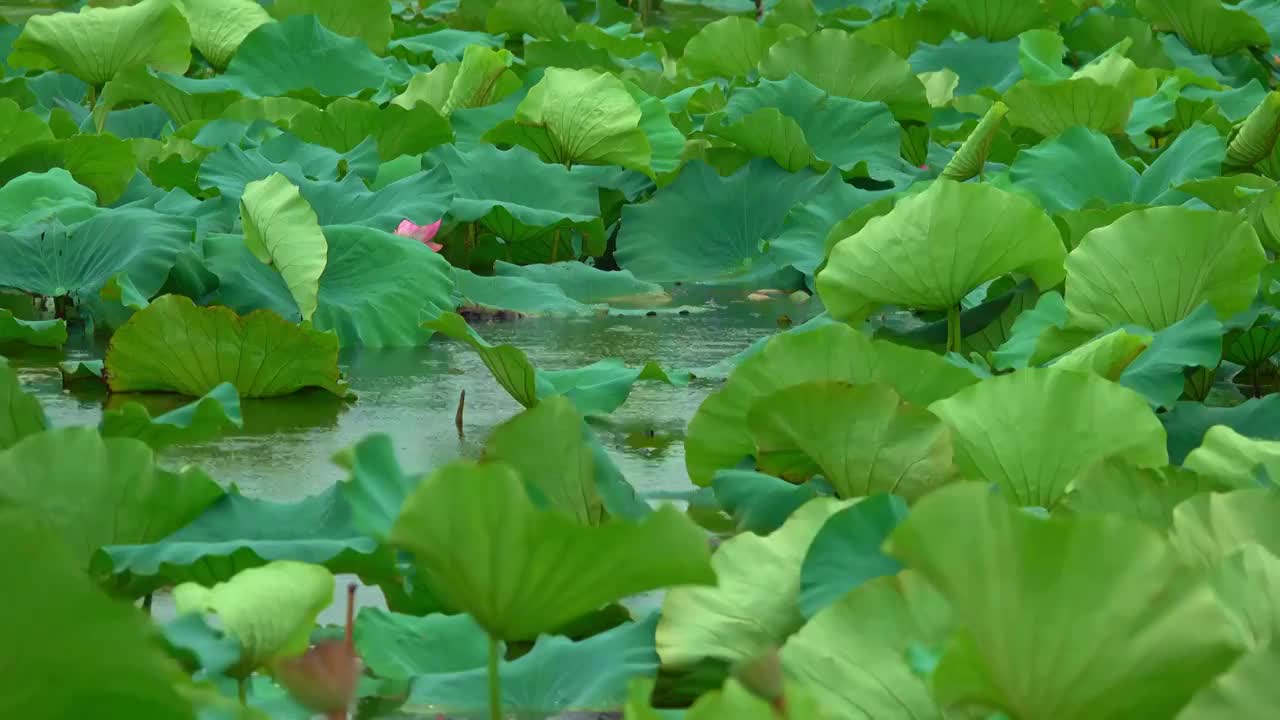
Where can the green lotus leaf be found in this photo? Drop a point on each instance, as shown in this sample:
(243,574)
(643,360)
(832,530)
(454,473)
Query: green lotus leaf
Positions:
(145,84)
(765,133)
(476,534)
(970,159)
(863,439)
(1206,26)
(518,294)
(1080,166)
(539,18)
(998,20)
(370,21)
(1247,581)
(393,645)
(507,363)
(1159,371)
(36,197)
(965,233)
(760,503)
(38,333)
(20,413)
(1257,136)
(1187,422)
(854,653)
(55,261)
(556,677)
(802,243)
(1153,267)
(1252,346)
(729,47)
(755,605)
(843,65)
(1119,626)
(847,552)
(972,64)
(20,128)
(544,445)
(104,163)
(201,420)
(347,122)
(282,231)
(578,117)
(730,220)
(841,131)
(1034,431)
(97,43)
(1056,107)
(172,345)
(1208,528)
(219,26)
(718,436)
(445,44)
(1040,54)
(99,491)
(1233,459)
(270,609)
(586,284)
(1248,689)
(298,54)
(1148,495)
(483,77)
(61,632)
(733,701)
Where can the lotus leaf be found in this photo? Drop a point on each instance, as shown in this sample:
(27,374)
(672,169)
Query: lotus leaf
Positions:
(20,413)
(393,645)
(1145,494)
(370,21)
(1230,458)
(1206,26)
(219,26)
(729,47)
(282,231)
(40,333)
(847,552)
(203,419)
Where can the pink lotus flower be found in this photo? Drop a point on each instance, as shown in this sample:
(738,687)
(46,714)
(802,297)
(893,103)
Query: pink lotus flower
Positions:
(421,233)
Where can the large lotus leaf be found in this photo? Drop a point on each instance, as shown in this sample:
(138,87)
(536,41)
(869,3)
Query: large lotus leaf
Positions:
(282,231)
(1209,527)
(1033,431)
(729,47)
(1051,109)
(760,503)
(1227,457)
(173,345)
(20,128)
(712,229)
(35,197)
(802,242)
(557,677)
(977,64)
(1256,138)
(236,533)
(544,445)
(933,248)
(518,294)
(718,436)
(761,133)
(578,117)
(519,570)
(393,645)
(586,284)
(201,420)
(100,492)
(104,163)
(1187,422)
(141,83)
(841,131)
(1081,166)
(843,65)
(100,651)
(539,18)
(1115,605)
(483,77)
(298,54)
(1248,690)
(755,605)
(39,333)
(848,551)
(97,43)
(270,609)
(507,363)
(854,654)
(219,26)
(1159,371)
(863,439)
(1153,267)
(369,20)
(999,20)
(20,413)
(346,123)
(1145,494)
(1247,582)
(1206,25)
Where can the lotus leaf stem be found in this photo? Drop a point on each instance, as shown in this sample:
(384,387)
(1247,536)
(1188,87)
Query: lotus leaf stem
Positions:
(953,329)
(495,681)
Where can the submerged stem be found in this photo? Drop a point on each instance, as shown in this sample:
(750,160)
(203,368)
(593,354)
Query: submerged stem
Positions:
(146,603)
(495,681)
(243,688)
(953,329)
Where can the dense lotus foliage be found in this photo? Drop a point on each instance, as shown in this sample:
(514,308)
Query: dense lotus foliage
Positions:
(1023,465)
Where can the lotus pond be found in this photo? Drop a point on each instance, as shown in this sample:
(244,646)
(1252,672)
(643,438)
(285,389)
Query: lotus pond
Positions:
(707,359)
